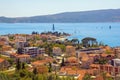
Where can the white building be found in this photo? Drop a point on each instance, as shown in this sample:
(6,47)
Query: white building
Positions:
(33,51)
(115,62)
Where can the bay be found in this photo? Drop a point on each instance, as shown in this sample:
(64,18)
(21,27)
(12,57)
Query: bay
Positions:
(101,31)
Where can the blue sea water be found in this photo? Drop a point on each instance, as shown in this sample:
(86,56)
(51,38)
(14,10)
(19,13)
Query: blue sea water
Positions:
(100,31)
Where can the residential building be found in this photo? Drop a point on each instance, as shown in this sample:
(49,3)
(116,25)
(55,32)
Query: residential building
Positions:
(42,50)
(4,64)
(113,70)
(23,58)
(45,61)
(6,48)
(92,50)
(20,41)
(21,44)
(9,52)
(70,51)
(57,51)
(117,52)
(115,62)
(33,51)
(71,61)
(4,40)
(69,72)
(19,38)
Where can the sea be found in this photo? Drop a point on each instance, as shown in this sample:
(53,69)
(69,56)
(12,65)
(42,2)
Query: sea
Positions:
(107,33)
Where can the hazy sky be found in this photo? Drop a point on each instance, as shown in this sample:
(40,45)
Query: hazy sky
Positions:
(18,8)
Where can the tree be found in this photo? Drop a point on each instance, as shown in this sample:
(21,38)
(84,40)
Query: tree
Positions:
(63,62)
(19,50)
(87,77)
(18,65)
(75,41)
(48,49)
(10,60)
(35,32)
(102,61)
(3,76)
(23,65)
(42,69)
(109,79)
(50,67)
(1,48)
(23,73)
(89,41)
(35,71)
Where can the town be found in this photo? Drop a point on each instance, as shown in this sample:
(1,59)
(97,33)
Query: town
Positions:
(51,56)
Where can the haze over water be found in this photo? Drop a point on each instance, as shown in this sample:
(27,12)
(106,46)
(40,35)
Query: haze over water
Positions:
(100,31)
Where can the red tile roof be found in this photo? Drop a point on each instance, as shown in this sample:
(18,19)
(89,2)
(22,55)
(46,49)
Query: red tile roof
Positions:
(23,56)
(1,60)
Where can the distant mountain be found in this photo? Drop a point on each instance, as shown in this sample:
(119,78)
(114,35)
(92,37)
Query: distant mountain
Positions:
(109,15)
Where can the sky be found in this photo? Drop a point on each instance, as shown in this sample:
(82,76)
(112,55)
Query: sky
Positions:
(26,8)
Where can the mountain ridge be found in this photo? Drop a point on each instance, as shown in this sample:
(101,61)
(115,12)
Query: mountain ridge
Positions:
(106,15)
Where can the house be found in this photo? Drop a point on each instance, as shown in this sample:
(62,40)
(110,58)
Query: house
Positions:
(70,51)
(71,61)
(86,60)
(95,66)
(112,70)
(38,63)
(20,41)
(8,53)
(21,44)
(69,72)
(13,55)
(95,57)
(92,50)
(86,63)
(55,67)
(45,61)
(39,42)
(3,43)
(93,72)
(20,38)
(23,58)
(6,48)
(117,52)
(4,64)
(57,51)
(72,71)
(4,40)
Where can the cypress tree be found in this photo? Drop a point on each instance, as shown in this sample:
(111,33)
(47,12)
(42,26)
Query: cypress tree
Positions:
(18,65)
(23,65)
(50,67)
(35,71)
(63,62)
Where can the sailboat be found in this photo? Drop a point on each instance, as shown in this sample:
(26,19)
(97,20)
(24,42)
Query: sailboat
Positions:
(53,28)
(109,27)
